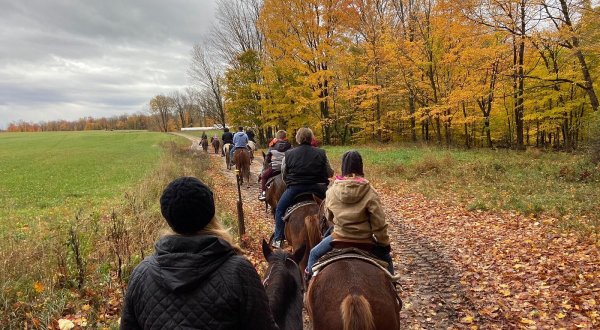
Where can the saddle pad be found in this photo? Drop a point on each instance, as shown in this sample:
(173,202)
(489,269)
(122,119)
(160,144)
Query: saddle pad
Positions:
(292,208)
(352,253)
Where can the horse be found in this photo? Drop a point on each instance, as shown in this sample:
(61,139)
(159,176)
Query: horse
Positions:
(302,227)
(216,144)
(226,148)
(252,148)
(241,158)
(204,144)
(367,299)
(274,190)
(284,285)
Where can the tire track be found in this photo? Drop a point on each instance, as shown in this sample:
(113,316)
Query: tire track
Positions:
(432,293)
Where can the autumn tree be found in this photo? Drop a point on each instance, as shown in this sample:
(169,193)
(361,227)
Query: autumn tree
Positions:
(161,107)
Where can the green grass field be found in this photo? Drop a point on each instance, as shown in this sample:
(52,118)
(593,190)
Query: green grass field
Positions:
(561,184)
(48,175)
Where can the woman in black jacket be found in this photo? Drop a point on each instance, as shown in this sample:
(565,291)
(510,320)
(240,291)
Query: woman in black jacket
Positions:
(197,278)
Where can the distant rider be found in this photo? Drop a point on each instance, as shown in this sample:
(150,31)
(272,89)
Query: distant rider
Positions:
(227,138)
(274,158)
(240,140)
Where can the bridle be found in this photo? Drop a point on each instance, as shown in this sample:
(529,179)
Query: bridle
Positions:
(268,277)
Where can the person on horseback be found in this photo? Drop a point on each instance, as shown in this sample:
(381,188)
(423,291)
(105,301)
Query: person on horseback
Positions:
(274,158)
(304,169)
(250,134)
(227,138)
(240,140)
(353,206)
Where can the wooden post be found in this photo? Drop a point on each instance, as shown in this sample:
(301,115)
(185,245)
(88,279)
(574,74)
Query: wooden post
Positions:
(240,208)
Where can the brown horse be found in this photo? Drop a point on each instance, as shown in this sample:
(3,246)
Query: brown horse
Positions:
(274,190)
(241,158)
(302,230)
(216,144)
(284,285)
(204,144)
(367,299)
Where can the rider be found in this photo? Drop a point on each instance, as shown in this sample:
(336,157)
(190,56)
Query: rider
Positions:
(250,133)
(227,138)
(274,157)
(304,169)
(240,140)
(355,210)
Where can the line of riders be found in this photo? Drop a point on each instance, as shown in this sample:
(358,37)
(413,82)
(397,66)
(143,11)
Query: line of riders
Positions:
(198,277)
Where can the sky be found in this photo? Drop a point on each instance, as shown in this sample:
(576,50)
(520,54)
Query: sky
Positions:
(68,59)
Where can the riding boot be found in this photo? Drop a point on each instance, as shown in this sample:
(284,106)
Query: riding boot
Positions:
(307,276)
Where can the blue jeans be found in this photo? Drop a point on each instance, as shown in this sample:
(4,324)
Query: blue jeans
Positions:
(286,200)
(318,251)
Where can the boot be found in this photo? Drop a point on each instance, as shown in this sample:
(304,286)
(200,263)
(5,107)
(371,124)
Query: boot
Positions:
(262,196)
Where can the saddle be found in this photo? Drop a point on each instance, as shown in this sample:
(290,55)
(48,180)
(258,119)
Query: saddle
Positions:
(297,205)
(352,253)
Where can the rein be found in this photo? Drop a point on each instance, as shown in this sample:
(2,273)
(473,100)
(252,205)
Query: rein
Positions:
(266,280)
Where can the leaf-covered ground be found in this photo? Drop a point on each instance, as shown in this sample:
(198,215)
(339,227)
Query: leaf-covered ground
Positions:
(518,272)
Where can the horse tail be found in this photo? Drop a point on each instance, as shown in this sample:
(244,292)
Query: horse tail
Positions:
(312,231)
(356,313)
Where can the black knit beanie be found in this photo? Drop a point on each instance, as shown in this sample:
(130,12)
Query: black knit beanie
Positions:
(352,163)
(187,204)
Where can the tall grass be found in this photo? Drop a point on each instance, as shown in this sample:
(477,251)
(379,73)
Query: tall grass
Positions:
(563,185)
(80,264)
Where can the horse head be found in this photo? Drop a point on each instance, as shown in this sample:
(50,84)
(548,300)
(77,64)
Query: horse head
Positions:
(284,285)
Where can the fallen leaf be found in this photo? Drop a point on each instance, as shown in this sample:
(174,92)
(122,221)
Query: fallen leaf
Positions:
(38,287)
(64,324)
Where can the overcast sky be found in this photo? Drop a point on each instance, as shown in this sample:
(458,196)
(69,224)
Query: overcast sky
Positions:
(66,59)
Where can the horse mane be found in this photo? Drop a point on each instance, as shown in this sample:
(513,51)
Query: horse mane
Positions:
(284,292)
(312,230)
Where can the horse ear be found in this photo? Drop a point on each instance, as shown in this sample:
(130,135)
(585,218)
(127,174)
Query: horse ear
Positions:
(266,249)
(299,253)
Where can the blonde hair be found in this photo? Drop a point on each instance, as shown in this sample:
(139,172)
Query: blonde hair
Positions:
(281,134)
(304,135)
(214,228)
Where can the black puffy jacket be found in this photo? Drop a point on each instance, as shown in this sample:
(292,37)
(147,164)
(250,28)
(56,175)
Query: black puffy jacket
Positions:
(195,282)
(306,165)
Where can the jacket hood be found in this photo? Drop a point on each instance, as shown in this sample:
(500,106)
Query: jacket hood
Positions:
(282,145)
(350,190)
(180,262)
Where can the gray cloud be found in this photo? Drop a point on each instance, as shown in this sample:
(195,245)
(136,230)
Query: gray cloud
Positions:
(64,59)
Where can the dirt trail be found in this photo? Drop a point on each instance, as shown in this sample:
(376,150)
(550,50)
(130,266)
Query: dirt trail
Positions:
(432,294)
